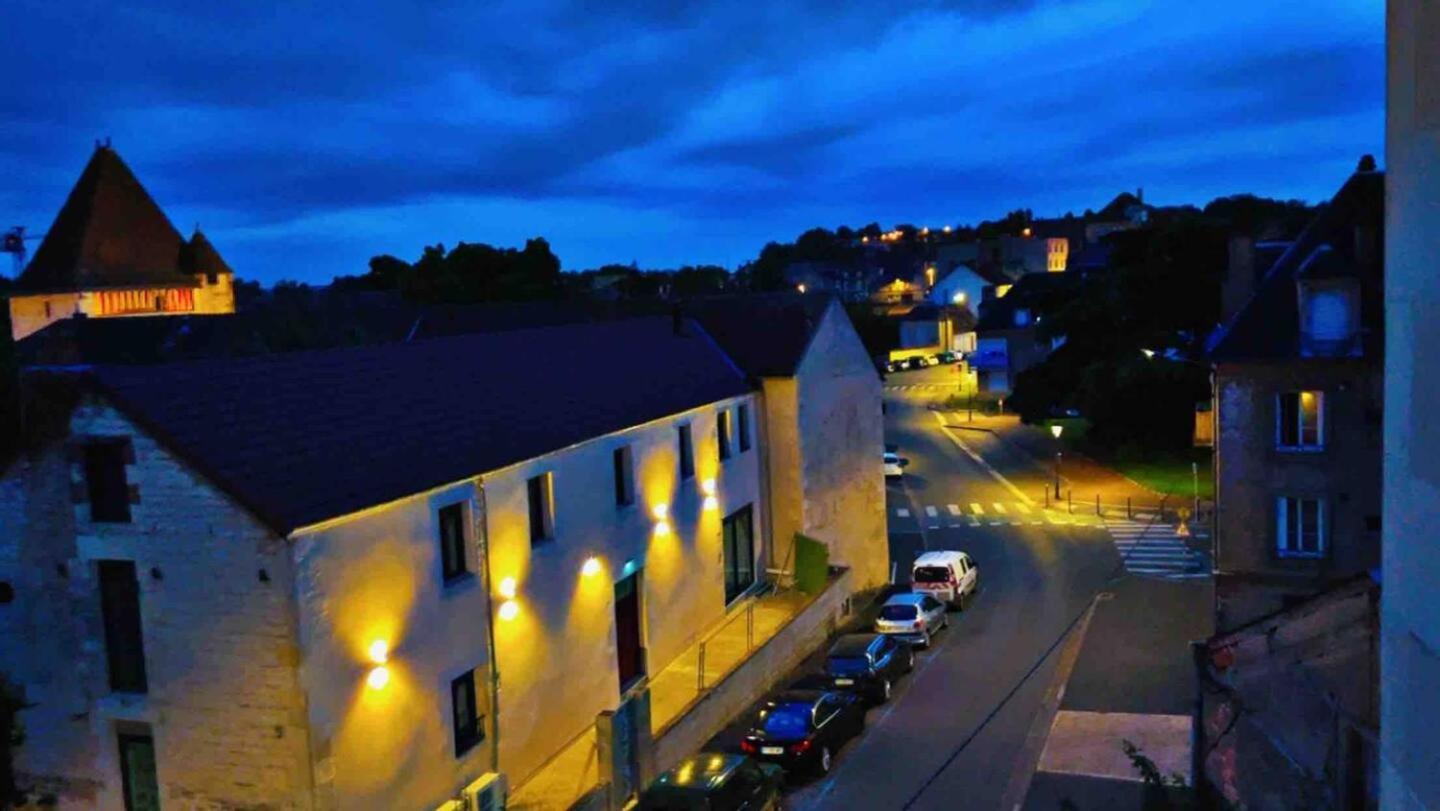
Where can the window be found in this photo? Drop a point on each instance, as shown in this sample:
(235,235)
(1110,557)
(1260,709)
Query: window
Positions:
(541,492)
(687,454)
(138,783)
(1299,420)
(743,426)
(1300,527)
(1022,317)
(467,720)
(624,477)
(452,542)
(120,614)
(737,539)
(722,432)
(105,485)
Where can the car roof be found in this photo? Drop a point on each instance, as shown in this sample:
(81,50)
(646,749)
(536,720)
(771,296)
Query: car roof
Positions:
(939,557)
(905,598)
(797,697)
(701,771)
(851,644)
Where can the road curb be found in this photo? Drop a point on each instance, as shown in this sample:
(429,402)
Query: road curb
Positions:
(1028,761)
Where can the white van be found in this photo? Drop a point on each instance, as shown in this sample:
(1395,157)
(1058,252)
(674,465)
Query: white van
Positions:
(946,575)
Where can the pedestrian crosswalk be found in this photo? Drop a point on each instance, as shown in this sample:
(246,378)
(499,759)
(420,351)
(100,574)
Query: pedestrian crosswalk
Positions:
(923,387)
(1152,549)
(992,514)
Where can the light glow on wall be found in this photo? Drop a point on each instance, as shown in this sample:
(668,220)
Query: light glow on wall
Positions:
(379,651)
(509,610)
(379,677)
(508,588)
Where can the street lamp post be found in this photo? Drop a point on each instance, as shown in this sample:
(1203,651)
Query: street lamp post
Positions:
(1056,431)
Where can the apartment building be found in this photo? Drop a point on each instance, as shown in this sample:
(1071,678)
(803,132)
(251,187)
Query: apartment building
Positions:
(366,578)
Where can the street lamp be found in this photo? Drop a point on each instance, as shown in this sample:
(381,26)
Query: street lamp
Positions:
(1056,430)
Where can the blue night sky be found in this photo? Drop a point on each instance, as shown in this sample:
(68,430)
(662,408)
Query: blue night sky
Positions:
(307,137)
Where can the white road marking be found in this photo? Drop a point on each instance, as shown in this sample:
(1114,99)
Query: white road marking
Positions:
(977,509)
(953,508)
(995,474)
(999,508)
(930,511)
(1023,510)
(902,512)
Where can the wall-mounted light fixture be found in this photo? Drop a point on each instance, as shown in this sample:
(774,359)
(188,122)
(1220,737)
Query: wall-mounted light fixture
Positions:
(507,588)
(662,518)
(707,486)
(509,610)
(379,653)
(591,566)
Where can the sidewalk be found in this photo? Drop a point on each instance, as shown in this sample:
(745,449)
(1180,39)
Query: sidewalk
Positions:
(1026,455)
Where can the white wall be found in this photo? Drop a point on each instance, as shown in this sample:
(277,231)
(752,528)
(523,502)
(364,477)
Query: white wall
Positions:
(557,657)
(1410,614)
(377,576)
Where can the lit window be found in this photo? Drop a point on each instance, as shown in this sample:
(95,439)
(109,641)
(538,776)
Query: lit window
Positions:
(687,453)
(1022,317)
(466,718)
(624,477)
(1300,420)
(1299,527)
(541,493)
(453,563)
(722,433)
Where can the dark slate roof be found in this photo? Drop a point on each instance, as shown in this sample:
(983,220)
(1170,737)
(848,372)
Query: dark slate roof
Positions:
(302,437)
(1034,290)
(110,233)
(1268,326)
(768,334)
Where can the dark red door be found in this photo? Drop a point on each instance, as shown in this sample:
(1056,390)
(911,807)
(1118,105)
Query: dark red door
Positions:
(628,650)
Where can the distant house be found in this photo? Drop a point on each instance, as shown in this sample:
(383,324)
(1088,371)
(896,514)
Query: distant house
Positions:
(1126,212)
(1298,378)
(1008,339)
(112,253)
(845,282)
(964,286)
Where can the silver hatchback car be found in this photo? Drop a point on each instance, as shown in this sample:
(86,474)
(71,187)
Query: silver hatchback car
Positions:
(912,617)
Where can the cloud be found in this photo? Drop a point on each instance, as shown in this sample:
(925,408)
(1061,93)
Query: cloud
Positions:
(670,132)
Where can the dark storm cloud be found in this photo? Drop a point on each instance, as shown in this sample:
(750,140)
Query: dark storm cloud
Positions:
(310,135)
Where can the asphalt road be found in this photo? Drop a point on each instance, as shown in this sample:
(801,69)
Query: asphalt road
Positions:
(954,733)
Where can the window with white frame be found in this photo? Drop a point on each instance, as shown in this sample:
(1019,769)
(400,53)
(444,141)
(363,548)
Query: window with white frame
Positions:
(1300,420)
(1299,527)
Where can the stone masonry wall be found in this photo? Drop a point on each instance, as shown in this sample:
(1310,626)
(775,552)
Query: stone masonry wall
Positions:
(223,703)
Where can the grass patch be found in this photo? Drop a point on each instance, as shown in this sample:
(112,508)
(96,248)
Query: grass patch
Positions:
(1172,475)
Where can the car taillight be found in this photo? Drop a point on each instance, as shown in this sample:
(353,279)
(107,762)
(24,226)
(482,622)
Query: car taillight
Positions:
(800,748)
(748,747)
(918,625)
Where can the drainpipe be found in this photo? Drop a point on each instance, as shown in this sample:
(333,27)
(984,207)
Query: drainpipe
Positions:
(482,540)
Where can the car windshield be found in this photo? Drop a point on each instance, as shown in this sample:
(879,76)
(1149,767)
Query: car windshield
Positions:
(932,574)
(898,613)
(787,721)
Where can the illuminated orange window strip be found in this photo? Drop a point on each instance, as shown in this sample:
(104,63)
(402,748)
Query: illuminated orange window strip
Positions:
(171,300)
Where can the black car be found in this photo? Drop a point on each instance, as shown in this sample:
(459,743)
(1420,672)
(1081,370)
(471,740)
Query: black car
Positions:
(915,362)
(868,664)
(801,730)
(715,782)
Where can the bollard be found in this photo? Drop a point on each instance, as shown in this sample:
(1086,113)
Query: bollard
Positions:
(1047,498)
(1097,505)
(700,671)
(1070,501)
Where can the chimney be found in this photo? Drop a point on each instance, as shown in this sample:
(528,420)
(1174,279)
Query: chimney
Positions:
(1140,194)
(1239,277)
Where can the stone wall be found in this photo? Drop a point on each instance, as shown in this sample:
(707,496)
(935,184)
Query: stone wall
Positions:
(1251,473)
(223,703)
(842,440)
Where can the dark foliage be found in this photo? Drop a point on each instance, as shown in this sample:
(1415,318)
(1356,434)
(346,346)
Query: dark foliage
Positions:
(466,274)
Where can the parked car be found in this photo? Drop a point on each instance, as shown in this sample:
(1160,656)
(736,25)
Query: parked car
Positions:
(867,664)
(801,730)
(946,575)
(915,362)
(947,357)
(713,781)
(894,465)
(912,617)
